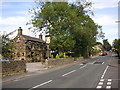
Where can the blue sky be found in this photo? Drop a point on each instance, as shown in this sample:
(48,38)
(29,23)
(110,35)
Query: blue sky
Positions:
(15,14)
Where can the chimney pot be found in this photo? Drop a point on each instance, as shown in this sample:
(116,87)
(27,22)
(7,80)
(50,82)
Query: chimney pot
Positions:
(40,36)
(20,31)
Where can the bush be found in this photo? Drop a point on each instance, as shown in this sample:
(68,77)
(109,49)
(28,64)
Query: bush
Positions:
(57,56)
(66,56)
(61,55)
(51,56)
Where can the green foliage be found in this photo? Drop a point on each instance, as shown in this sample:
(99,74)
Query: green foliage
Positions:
(61,55)
(116,45)
(34,59)
(6,45)
(51,56)
(69,25)
(66,56)
(57,56)
(106,45)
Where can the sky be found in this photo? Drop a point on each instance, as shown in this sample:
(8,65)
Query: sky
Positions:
(14,14)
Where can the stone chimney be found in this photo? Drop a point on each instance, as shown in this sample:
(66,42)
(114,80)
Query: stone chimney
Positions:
(40,36)
(19,31)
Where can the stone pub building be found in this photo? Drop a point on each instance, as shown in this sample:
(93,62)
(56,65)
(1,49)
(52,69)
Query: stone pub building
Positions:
(29,48)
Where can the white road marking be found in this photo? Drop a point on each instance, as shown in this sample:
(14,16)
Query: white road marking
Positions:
(102,80)
(108,87)
(108,83)
(100,83)
(83,66)
(104,72)
(98,87)
(69,73)
(94,62)
(41,84)
(102,62)
(109,79)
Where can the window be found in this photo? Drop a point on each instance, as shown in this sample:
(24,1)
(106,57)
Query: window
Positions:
(18,54)
(23,54)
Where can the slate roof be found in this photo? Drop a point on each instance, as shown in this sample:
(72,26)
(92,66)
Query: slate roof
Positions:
(32,38)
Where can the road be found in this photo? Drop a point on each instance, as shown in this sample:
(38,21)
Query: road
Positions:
(93,73)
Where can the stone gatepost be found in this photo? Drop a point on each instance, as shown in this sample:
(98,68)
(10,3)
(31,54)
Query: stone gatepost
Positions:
(46,63)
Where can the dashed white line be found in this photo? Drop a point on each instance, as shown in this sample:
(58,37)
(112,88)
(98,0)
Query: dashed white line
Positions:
(109,79)
(41,84)
(94,62)
(100,83)
(69,73)
(83,66)
(102,80)
(102,62)
(108,83)
(104,72)
(98,87)
(108,87)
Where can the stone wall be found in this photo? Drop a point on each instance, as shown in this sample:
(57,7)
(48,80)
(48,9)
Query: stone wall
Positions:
(61,61)
(13,67)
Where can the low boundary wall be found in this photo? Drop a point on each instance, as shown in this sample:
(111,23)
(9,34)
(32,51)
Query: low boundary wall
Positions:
(13,67)
(62,61)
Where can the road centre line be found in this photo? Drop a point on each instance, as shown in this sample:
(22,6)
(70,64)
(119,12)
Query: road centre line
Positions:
(41,84)
(94,62)
(102,62)
(104,72)
(68,73)
(83,66)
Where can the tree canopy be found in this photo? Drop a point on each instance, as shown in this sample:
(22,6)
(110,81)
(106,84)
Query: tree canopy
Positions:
(116,45)
(6,45)
(106,45)
(69,25)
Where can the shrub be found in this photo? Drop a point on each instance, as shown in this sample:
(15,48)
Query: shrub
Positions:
(57,56)
(61,55)
(51,56)
(66,56)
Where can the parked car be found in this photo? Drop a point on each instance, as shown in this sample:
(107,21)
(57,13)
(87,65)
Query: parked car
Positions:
(5,59)
(103,53)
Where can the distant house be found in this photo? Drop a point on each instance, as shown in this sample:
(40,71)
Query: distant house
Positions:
(28,48)
(98,47)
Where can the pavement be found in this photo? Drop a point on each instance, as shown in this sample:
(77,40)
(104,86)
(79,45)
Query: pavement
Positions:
(37,68)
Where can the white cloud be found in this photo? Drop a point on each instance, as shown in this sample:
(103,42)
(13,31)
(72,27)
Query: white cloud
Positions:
(100,4)
(18,0)
(12,23)
(105,20)
(13,20)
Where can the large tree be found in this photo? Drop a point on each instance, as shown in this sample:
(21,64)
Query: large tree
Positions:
(106,45)
(116,45)
(69,25)
(6,45)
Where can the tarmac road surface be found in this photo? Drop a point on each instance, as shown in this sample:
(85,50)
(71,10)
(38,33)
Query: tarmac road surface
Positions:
(95,73)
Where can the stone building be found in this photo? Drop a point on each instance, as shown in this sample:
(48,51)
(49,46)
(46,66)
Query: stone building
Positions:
(29,48)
